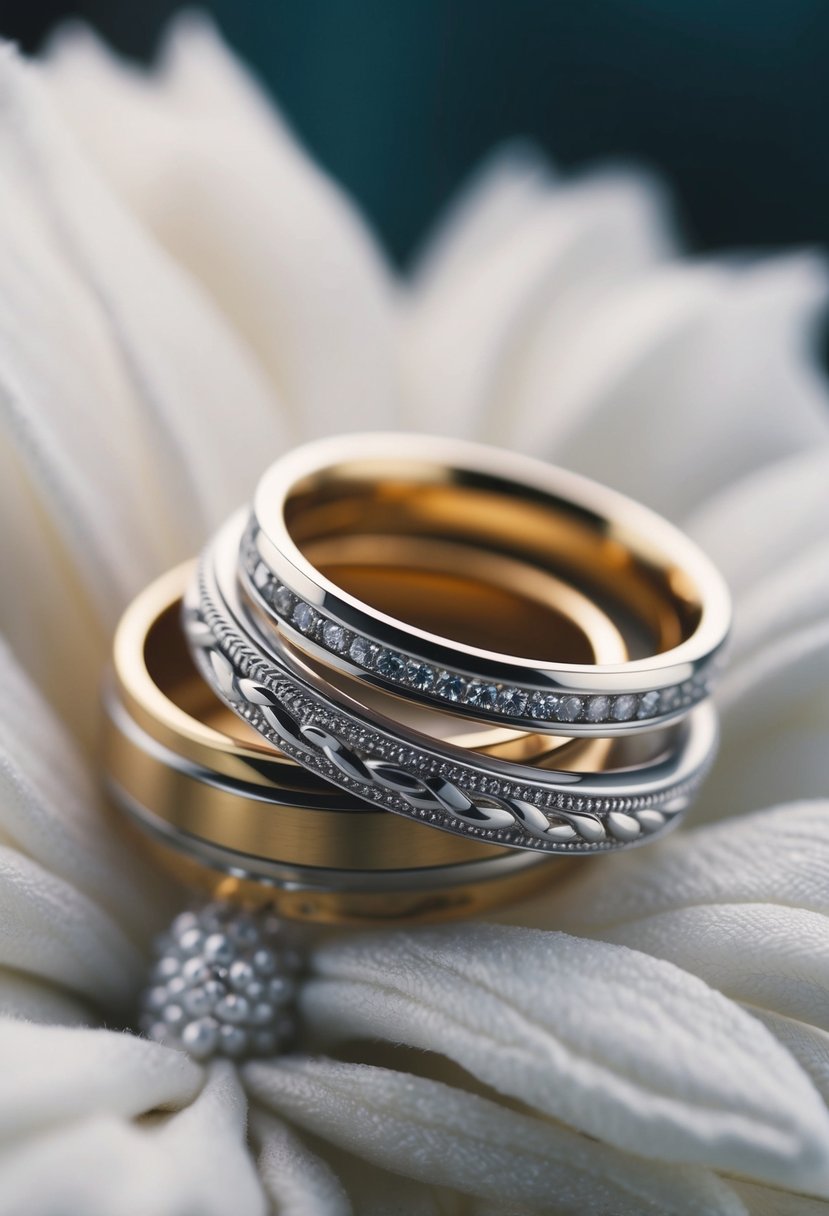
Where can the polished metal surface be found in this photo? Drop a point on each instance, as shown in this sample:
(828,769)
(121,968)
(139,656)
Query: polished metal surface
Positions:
(386,488)
(396,896)
(490,864)
(171,745)
(371,754)
(229,815)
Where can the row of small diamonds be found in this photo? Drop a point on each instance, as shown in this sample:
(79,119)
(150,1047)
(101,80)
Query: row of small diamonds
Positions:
(457,689)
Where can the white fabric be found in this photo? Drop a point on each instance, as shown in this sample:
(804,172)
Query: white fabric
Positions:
(33,1000)
(182,294)
(192,1161)
(53,1074)
(242,208)
(458,1139)
(297,1181)
(50,809)
(539,1016)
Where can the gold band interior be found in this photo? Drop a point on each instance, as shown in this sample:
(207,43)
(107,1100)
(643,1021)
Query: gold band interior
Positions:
(487,600)
(441,585)
(654,601)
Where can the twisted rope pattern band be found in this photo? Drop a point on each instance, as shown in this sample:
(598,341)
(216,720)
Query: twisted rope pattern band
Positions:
(416,781)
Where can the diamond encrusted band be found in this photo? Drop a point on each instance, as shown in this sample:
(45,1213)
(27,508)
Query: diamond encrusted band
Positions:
(461,491)
(519,705)
(324,729)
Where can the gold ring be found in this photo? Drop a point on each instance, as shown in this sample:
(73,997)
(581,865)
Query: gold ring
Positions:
(230,814)
(668,599)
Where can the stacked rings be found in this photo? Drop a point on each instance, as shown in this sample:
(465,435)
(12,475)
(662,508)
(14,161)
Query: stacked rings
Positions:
(501,504)
(472,640)
(241,821)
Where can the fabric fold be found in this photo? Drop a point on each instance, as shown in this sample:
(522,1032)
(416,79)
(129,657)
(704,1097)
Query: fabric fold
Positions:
(438,1134)
(552,1020)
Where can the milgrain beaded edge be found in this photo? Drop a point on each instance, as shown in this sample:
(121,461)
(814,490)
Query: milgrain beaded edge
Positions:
(379,768)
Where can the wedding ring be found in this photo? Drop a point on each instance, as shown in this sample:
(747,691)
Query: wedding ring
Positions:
(425,895)
(329,726)
(364,492)
(235,817)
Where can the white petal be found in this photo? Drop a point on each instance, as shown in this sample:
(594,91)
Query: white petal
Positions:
(181,359)
(297,1181)
(760,954)
(503,194)
(789,599)
(752,528)
(742,903)
(68,409)
(51,930)
(51,810)
(56,1073)
(616,1044)
(377,1192)
(373,1191)
(685,375)
(808,1044)
(756,858)
(23,997)
(464,343)
(227,190)
(49,622)
(117,447)
(80,542)
(775,718)
(450,1137)
(194,1161)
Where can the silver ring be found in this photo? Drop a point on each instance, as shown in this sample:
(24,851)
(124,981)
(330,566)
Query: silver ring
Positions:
(561,698)
(280,694)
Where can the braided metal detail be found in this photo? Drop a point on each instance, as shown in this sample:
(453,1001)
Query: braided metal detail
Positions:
(378,768)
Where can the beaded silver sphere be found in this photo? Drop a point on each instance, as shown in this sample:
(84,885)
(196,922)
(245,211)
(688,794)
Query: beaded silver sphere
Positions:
(222,984)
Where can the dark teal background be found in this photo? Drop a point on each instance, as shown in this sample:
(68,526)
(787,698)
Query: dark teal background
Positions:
(728,100)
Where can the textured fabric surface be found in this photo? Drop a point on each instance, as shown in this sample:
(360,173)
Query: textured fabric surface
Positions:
(182,295)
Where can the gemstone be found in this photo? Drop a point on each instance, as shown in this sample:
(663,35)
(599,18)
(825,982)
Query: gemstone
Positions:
(261,576)
(624,707)
(197,1002)
(542,705)
(648,705)
(233,1040)
(304,617)
(233,1008)
(201,1037)
(391,665)
(362,651)
(334,636)
(569,709)
(669,699)
(512,701)
(282,599)
(419,675)
(241,969)
(485,696)
(449,686)
(597,709)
